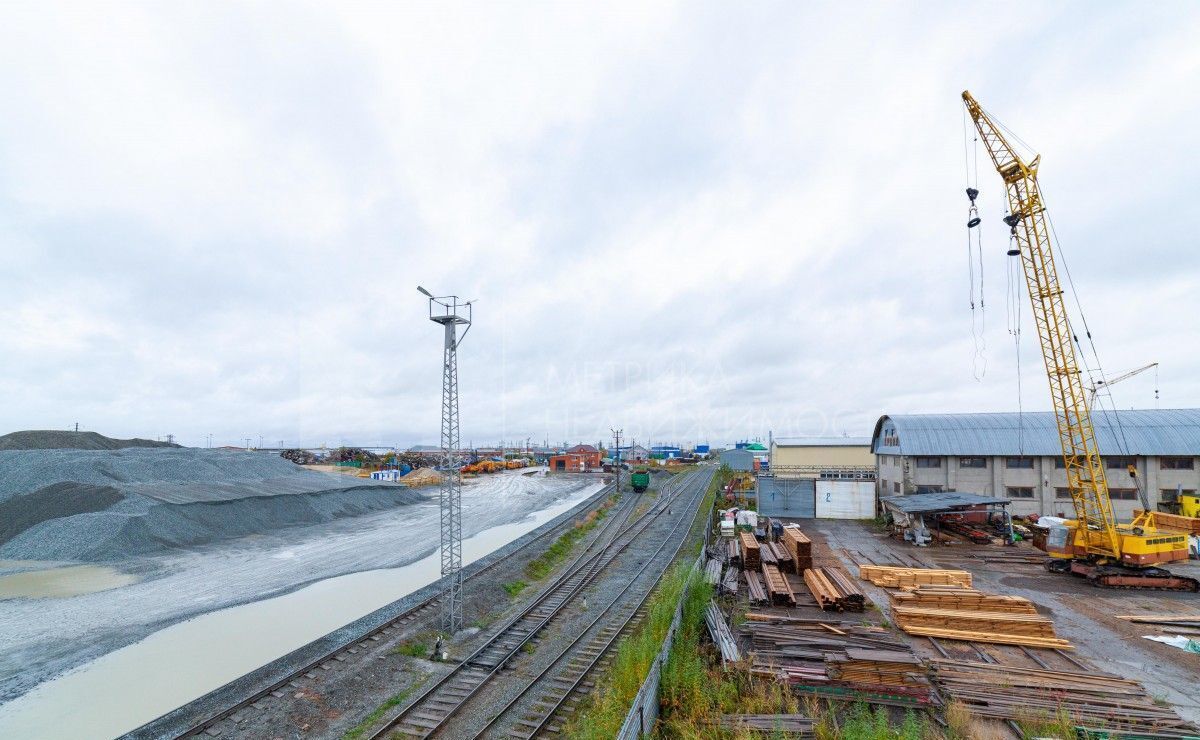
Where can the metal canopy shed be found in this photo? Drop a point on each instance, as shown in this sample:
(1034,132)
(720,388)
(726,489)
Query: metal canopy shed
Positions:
(929,503)
(909,512)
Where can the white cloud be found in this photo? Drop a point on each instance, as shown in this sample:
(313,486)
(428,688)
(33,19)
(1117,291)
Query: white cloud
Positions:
(690,221)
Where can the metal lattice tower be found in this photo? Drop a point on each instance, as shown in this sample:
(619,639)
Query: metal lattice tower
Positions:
(451,314)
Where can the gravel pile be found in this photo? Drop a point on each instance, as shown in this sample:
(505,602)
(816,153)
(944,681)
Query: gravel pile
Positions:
(98,505)
(52,439)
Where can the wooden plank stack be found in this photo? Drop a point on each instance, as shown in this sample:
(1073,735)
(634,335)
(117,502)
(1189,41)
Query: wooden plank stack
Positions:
(799,546)
(1098,701)
(778,588)
(965,599)
(1029,630)
(908,578)
(751,559)
(876,667)
(833,590)
(791,725)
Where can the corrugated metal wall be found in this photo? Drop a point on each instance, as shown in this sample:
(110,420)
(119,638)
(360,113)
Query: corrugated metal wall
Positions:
(794,498)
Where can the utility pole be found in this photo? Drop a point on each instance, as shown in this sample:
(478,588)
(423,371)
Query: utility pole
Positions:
(617,457)
(450,313)
(247,444)
(210,441)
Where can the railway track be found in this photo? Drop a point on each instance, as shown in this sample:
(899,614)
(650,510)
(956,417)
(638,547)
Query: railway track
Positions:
(349,648)
(429,712)
(558,688)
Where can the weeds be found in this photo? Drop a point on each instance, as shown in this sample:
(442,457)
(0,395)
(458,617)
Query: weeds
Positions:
(1057,724)
(356,732)
(514,588)
(413,649)
(605,710)
(544,564)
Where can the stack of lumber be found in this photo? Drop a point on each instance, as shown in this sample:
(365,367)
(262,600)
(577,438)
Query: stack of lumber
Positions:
(833,590)
(732,553)
(893,577)
(782,556)
(1189,524)
(789,725)
(722,637)
(1109,706)
(750,551)
(1029,630)
(851,660)
(755,588)
(876,667)
(799,546)
(965,599)
(778,588)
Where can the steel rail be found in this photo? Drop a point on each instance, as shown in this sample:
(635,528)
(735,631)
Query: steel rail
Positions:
(439,702)
(402,618)
(549,710)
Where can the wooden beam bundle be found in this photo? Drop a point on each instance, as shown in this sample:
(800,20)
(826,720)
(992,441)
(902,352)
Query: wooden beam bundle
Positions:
(799,546)
(754,585)
(894,577)
(750,551)
(967,599)
(833,591)
(778,588)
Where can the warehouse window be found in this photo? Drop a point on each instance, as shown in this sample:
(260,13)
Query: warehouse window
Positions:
(1119,462)
(1177,463)
(1122,494)
(929,489)
(1020,492)
(1062,493)
(1171,495)
(1060,464)
(929,462)
(972,462)
(1024,463)
(896,487)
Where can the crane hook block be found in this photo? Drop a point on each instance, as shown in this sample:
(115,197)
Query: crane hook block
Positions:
(1013,252)
(973,222)
(972,193)
(1013,219)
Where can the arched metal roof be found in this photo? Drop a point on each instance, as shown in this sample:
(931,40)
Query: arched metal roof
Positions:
(1144,432)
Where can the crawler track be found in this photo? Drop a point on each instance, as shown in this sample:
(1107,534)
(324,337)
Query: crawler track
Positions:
(430,712)
(347,649)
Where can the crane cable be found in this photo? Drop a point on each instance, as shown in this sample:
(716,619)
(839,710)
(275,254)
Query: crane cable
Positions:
(975,253)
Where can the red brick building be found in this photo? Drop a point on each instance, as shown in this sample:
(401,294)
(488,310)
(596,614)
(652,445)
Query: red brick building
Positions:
(578,459)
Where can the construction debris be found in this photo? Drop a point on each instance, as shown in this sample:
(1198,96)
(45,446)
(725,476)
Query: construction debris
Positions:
(718,629)
(1100,703)
(712,571)
(833,590)
(422,477)
(892,577)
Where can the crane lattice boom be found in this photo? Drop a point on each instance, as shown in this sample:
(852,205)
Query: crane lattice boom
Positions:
(1085,469)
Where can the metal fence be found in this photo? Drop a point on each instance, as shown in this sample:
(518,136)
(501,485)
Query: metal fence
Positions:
(644,711)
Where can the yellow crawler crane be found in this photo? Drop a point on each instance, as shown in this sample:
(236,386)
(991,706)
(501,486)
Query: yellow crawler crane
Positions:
(1093,545)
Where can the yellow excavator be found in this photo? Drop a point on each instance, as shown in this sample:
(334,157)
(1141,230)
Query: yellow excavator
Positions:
(1093,545)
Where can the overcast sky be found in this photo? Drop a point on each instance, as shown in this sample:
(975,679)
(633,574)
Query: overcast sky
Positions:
(703,221)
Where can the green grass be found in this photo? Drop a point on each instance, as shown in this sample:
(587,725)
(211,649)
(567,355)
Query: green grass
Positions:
(1045,724)
(413,649)
(356,732)
(602,715)
(544,564)
(514,588)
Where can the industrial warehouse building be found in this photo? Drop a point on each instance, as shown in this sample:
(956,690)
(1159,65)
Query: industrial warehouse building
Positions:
(1019,457)
(822,477)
